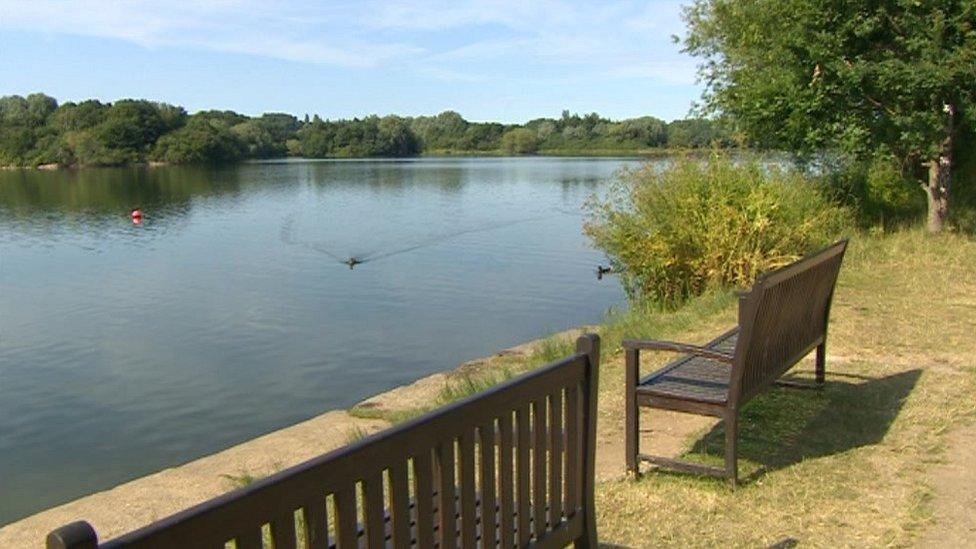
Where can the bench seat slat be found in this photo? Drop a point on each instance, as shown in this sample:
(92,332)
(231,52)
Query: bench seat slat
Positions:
(693,377)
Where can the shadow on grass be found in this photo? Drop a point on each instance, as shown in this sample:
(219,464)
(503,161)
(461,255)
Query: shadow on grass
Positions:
(784,426)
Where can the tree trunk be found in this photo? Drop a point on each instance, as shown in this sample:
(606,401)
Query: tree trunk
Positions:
(937,191)
(940,179)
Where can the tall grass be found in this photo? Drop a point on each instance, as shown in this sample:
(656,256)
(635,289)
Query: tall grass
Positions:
(699,225)
(465,385)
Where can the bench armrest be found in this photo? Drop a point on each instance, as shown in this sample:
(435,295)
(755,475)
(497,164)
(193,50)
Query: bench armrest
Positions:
(673,346)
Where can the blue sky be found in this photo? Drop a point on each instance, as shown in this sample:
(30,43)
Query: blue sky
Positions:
(504,60)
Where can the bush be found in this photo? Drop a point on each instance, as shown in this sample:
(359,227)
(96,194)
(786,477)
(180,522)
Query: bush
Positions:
(962,205)
(699,225)
(878,192)
(520,141)
(201,140)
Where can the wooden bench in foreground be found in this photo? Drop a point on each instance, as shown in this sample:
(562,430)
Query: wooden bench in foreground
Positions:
(510,467)
(781,319)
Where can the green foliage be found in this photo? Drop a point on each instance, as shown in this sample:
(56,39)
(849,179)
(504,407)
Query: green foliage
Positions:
(355,434)
(21,125)
(16,143)
(964,182)
(697,226)
(81,116)
(267,136)
(878,191)
(129,130)
(520,141)
(36,130)
(371,136)
(39,107)
(257,140)
(201,140)
(697,133)
(894,79)
(443,131)
(648,131)
(465,385)
(241,479)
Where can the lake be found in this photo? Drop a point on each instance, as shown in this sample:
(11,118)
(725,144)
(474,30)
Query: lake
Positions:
(228,312)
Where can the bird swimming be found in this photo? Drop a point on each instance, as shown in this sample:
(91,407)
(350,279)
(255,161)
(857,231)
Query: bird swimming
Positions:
(601,270)
(352,262)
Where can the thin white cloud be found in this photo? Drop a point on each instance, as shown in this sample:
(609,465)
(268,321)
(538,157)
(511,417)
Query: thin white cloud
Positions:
(464,41)
(487,49)
(439,15)
(232,26)
(673,72)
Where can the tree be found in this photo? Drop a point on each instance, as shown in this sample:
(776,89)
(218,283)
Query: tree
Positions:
(888,77)
(257,140)
(130,128)
(13,111)
(201,140)
(281,126)
(173,116)
(81,116)
(395,138)
(39,107)
(693,133)
(483,137)
(647,131)
(520,141)
(16,143)
(443,131)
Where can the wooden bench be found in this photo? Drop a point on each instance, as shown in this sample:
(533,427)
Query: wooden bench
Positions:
(510,467)
(781,319)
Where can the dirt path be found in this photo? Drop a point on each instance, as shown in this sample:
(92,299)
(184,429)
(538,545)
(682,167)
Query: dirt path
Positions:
(954,486)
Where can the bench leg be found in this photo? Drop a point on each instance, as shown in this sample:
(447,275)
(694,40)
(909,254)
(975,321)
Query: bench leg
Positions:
(821,363)
(732,447)
(633,417)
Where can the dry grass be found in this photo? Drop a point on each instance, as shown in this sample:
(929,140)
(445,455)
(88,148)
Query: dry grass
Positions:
(845,467)
(842,467)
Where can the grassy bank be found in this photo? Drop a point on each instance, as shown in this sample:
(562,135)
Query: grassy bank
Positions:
(845,466)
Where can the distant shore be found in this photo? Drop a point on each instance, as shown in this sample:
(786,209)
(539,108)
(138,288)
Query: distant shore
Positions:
(556,153)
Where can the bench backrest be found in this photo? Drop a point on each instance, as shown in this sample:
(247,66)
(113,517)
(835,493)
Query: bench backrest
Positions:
(514,464)
(782,318)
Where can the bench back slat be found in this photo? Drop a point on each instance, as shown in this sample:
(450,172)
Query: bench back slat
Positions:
(784,316)
(556,456)
(523,477)
(429,481)
(486,471)
(506,478)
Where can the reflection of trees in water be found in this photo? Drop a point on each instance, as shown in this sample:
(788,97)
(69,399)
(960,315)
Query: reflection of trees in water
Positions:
(387,174)
(101,196)
(587,182)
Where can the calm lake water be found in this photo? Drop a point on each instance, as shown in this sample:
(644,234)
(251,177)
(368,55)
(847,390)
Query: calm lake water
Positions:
(227,313)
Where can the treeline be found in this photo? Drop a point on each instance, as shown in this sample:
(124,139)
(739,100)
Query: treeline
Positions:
(36,130)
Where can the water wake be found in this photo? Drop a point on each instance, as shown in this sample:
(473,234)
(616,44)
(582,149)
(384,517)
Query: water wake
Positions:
(287,236)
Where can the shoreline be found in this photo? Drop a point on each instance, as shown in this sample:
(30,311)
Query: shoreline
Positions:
(557,153)
(138,502)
